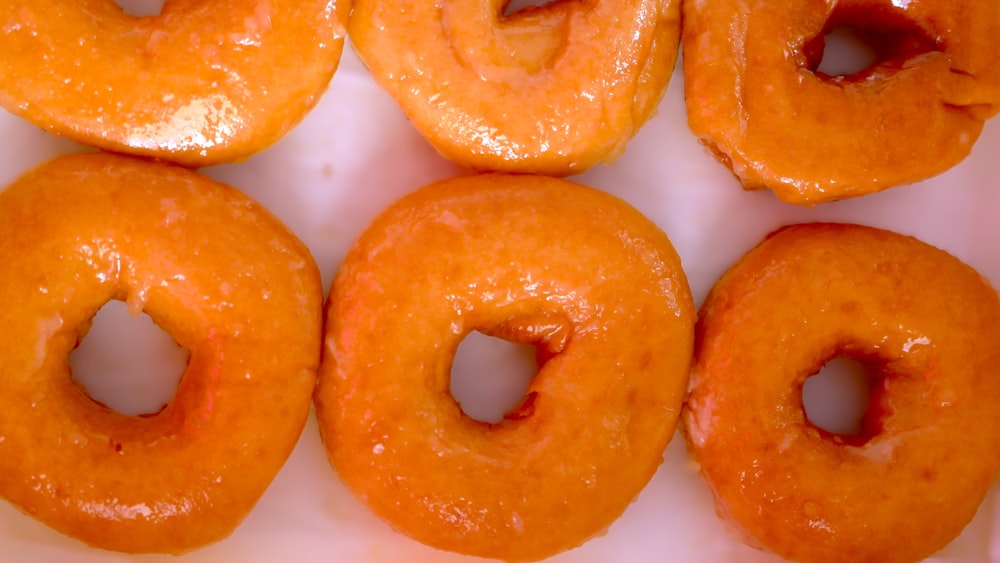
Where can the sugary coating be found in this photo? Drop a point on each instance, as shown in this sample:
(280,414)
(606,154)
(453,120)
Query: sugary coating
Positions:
(755,98)
(214,270)
(549,90)
(202,83)
(594,285)
(926,326)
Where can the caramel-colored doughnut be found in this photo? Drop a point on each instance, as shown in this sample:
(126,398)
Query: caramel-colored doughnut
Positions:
(755,98)
(584,277)
(214,270)
(201,83)
(926,326)
(547,90)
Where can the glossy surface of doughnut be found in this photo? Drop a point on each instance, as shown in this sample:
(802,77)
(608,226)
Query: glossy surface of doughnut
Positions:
(756,100)
(594,285)
(202,83)
(928,329)
(550,89)
(214,270)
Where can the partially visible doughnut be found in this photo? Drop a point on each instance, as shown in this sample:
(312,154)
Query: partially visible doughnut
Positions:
(202,83)
(550,89)
(584,277)
(213,269)
(755,98)
(928,328)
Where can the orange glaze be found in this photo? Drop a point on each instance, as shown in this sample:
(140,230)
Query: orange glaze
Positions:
(202,83)
(593,284)
(928,328)
(213,269)
(547,90)
(755,99)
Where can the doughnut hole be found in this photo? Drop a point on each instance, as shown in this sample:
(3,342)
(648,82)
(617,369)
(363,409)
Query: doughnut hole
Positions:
(512,7)
(841,400)
(845,53)
(531,34)
(856,43)
(127,363)
(490,376)
(141,8)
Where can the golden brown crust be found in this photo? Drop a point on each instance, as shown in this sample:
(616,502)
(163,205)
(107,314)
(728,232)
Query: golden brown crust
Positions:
(202,83)
(215,271)
(550,90)
(929,328)
(582,275)
(754,99)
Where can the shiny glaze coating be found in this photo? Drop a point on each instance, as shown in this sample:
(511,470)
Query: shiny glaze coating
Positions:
(214,270)
(756,102)
(928,328)
(593,284)
(546,90)
(205,82)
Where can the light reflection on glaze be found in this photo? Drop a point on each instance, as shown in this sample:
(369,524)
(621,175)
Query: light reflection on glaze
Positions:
(114,510)
(255,26)
(103,256)
(202,122)
(47,328)
(914,342)
(459,514)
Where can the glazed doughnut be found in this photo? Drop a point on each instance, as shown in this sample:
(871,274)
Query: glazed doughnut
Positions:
(218,273)
(756,100)
(926,326)
(202,83)
(547,90)
(594,285)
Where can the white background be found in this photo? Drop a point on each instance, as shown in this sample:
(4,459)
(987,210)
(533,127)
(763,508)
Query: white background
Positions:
(356,152)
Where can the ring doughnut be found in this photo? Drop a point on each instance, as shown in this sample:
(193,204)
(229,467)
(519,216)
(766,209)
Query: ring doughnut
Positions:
(756,100)
(213,269)
(926,326)
(202,83)
(550,89)
(594,285)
